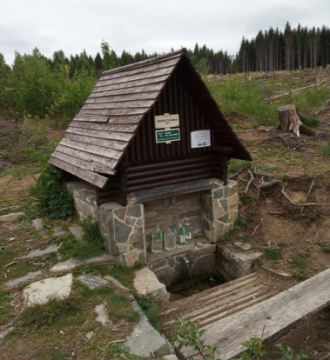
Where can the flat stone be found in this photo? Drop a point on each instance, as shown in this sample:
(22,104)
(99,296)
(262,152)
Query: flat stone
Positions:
(67,265)
(122,231)
(157,257)
(89,335)
(75,185)
(170,357)
(146,283)
(17,281)
(38,224)
(115,282)
(199,244)
(135,211)
(102,314)
(77,231)
(40,292)
(206,249)
(243,246)
(58,231)
(104,259)
(92,281)
(35,253)
(11,217)
(145,341)
(5,331)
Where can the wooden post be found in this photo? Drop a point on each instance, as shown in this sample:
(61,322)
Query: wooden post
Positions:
(291,122)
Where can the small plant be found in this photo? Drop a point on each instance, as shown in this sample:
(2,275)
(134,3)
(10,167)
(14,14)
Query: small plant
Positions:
(273,254)
(300,260)
(119,307)
(246,237)
(92,232)
(188,334)
(123,273)
(225,238)
(325,248)
(287,353)
(149,307)
(300,275)
(254,349)
(326,149)
(240,223)
(54,199)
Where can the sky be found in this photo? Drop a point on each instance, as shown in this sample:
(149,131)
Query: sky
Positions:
(152,25)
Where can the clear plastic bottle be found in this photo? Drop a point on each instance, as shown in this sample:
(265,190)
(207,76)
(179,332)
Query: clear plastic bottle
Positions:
(169,240)
(157,241)
(188,232)
(181,235)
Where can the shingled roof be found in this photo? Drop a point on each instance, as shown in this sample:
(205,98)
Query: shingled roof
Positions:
(99,135)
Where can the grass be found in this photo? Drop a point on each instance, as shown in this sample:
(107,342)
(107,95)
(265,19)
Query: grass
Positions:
(5,307)
(247,237)
(269,168)
(240,223)
(273,254)
(225,238)
(300,275)
(124,274)
(326,149)
(311,121)
(148,305)
(300,260)
(120,307)
(325,249)
(236,165)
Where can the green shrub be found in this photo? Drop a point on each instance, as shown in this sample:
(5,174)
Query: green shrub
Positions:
(326,149)
(300,260)
(311,121)
(149,307)
(54,199)
(273,254)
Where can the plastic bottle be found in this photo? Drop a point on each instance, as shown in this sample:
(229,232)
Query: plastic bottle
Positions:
(157,241)
(180,234)
(188,232)
(169,240)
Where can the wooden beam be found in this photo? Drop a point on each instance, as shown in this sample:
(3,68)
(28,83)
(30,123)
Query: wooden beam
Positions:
(278,314)
(101,135)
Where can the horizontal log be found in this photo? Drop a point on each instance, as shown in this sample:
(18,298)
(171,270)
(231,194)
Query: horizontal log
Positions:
(82,164)
(141,69)
(110,144)
(101,97)
(120,105)
(111,155)
(100,134)
(135,90)
(104,127)
(135,77)
(113,112)
(92,178)
(132,84)
(82,155)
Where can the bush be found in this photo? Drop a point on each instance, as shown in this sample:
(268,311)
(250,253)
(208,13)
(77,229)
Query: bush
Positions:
(54,199)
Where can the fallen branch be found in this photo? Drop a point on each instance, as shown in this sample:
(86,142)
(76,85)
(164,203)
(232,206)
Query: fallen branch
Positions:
(250,181)
(305,204)
(254,231)
(309,192)
(268,184)
(10,264)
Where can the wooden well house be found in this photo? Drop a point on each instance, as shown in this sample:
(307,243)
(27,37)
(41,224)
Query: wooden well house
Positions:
(151,126)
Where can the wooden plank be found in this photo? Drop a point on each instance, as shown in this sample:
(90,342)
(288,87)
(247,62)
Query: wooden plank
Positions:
(120,105)
(133,77)
(128,119)
(278,314)
(132,84)
(111,144)
(104,127)
(101,97)
(95,179)
(111,156)
(170,62)
(82,164)
(95,118)
(86,156)
(100,134)
(113,112)
(135,90)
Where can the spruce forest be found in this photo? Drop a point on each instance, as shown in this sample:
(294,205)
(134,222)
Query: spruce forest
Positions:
(58,86)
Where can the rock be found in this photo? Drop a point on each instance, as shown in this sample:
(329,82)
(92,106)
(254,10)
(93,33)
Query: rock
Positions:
(116,283)
(199,244)
(237,264)
(17,281)
(11,217)
(12,239)
(40,292)
(67,265)
(77,231)
(38,224)
(242,246)
(102,317)
(89,335)
(170,357)
(58,231)
(93,282)
(145,341)
(35,253)
(104,259)
(30,240)
(146,283)
(7,329)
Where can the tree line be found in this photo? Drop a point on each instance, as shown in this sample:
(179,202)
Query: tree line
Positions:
(293,48)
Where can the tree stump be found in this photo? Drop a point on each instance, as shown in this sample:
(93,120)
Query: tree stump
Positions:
(290,121)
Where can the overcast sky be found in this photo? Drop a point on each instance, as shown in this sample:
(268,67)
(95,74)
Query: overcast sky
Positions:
(152,25)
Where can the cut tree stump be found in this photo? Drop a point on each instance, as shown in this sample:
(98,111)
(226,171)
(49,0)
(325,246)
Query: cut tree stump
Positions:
(290,121)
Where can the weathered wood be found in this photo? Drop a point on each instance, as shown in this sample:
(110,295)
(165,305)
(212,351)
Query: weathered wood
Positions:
(95,179)
(135,90)
(134,77)
(104,127)
(291,122)
(82,164)
(111,144)
(120,105)
(100,134)
(111,156)
(85,156)
(90,118)
(278,314)
(102,97)
(113,112)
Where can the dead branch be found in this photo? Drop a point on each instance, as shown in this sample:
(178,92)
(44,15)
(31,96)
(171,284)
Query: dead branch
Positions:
(239,172)
(268,184)
(309,192)
(256,228)
(305,204)
(250,181)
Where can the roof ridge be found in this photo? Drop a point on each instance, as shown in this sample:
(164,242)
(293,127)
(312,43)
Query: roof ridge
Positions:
(182,51)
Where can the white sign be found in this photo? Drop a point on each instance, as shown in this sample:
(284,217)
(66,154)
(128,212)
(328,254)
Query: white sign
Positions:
(167,121)
(200,138)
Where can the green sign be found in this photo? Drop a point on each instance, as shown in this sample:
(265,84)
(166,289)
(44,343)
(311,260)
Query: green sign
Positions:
(164,136)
